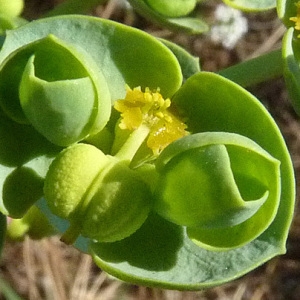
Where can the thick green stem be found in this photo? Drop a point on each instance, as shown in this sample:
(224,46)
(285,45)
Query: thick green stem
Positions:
(74,7)
(133,143)
(256,70)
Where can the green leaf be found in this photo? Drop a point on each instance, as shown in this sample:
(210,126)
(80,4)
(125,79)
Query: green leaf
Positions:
(123,54)
(25,157)
(48,95)
(291,56)
(227,184)
(160,253)
(230,108)
(251,5)
(189,25)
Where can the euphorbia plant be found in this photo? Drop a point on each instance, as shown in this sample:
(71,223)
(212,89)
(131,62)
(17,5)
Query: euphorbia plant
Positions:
(166,175)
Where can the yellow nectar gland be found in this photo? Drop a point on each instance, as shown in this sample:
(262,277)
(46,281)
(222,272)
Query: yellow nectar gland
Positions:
(151,109)
(297,18)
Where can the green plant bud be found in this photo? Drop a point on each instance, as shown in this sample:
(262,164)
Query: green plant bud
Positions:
(64,98)
(173,9)
(218,183)
(11,8)
(101,196)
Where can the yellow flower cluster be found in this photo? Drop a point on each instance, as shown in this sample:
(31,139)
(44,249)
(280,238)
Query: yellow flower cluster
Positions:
(150,109)
(297,18)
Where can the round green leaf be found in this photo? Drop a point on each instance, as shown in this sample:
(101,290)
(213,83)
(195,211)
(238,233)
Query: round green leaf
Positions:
(65,104)
(160,254)
(251,5)
(226,187)
(123,54)
(230,108)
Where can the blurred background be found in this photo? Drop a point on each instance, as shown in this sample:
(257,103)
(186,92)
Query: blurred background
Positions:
(48,269)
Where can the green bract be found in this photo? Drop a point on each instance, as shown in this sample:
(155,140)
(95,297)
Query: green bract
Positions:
(68,97)
(226,187)
(65,104)
(231,131)
(171,14)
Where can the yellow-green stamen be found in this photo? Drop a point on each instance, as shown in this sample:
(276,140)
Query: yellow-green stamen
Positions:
(151,109)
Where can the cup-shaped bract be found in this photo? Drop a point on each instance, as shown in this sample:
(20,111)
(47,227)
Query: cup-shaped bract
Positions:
(65,98)
(101,196)
(222,186)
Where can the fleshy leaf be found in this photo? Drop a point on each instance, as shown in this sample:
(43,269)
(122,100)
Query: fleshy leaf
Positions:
(160,254)
(251,5)
(48,95)
(25,157)
(123,54)
(65,104)
(227,184)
